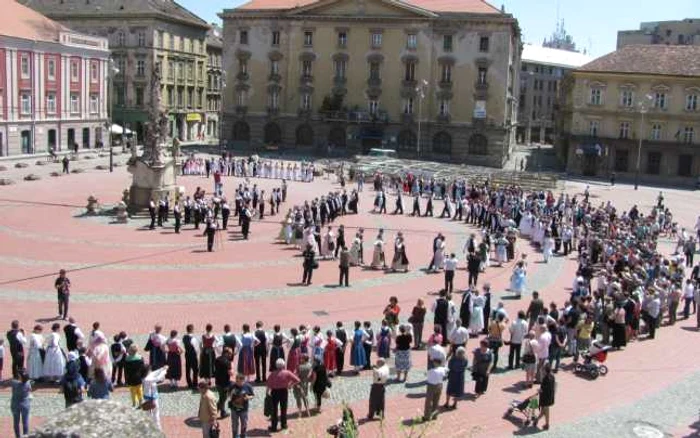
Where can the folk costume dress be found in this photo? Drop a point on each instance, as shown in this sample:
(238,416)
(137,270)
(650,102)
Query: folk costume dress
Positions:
(400,261)
(358,358)
(378,259)
(246,360)
(207,356)
(156,354)
(276,350)
(517,280)
(384,342)
(294,357)
(317,342)
(439,256)
(35,366)
(330,356)
(476,325)
(355,251)
(54,361)
(174,350)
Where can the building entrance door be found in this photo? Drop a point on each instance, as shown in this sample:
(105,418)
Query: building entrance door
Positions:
(590,162)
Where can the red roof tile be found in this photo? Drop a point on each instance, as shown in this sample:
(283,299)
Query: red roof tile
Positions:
(649,59)
(20,21)
(468,6)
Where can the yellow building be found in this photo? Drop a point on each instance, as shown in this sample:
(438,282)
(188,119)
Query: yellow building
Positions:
(425,77)
(637,109)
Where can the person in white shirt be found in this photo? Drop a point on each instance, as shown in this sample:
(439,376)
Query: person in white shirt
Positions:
(689,297)
(518,330)
(436,353)
(380,375)
(544,338)
(458,337)
(436,375)
(450,268)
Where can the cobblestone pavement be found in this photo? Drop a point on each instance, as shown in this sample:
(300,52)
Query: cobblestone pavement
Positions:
(130,278)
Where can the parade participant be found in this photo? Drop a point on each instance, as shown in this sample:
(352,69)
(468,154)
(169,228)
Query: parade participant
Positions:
(380,376)
(16,339)
(155,348)
(476,323)
(309,264)
(73,335)
(358,358)
(400,261)
(54,361)
(35,363)
(62,285)
(207,355)
(245,218)
(378,257)
(260,352)
(191,346)
(152,213)
(210,232)
(518,279)
(246,361)
(450,268)
(344,266)
(177,215)
(173,346)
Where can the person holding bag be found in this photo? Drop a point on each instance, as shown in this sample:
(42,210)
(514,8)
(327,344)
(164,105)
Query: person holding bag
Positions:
(495,337)
(207,411)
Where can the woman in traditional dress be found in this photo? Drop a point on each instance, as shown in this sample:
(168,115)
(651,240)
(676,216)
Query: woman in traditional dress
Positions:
(547,246)
(317,344)
(54,361)
(355,250)
(173,348)
(402,356)
(154,346)
(476,324)
(517,280)
(378,258)
(277,347)
(456,366)
(35,363)
(246,361)
(310,239)
(400,260)
(207,355)
(304,333)
(484,251)
(384,340)
(100,356)
(330,353)
(358,358)
(501,250)
(439,255)
(294,356)
(526,224)
(328,244)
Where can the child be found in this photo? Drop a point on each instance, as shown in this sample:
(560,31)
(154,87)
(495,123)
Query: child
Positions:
(117,353)
(134,369)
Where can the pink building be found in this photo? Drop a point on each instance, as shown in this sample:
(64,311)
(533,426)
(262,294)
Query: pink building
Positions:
(53,85)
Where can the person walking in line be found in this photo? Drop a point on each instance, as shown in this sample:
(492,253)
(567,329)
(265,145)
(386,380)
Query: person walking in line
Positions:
(344,266)
(308,265)
(222,378)
(450,268)
(207,409)
(456,367)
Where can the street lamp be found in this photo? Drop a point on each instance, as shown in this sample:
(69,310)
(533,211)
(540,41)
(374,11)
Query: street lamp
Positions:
(420,89)
(111,73)
(222,91)
(643,106)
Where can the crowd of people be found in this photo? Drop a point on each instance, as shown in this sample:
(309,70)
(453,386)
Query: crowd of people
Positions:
(252,167)
(624,288)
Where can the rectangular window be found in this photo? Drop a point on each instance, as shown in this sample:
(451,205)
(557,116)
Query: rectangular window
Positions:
(243,66)
(374,70)
(121,65)
(342,39)
(593,128)
(412,41)
(376,40)
(484,44)
(654,163)
(596,96)
(691,102)
(190,71)
(626,98)
(688,135)
(94,73)
(179,97)
(660,100)
(340,68)
(139,96)
(243,37)
(622,157)
(306,101)
(51,69)
(373,107)
(447,43)
(171,96)
(276,38)
(274,67)
(95,103)
(26,103)
(655,132)
(172,42)
(119,95)
(171,70)
(306,68)
(241,97)
(410,71)
(121,38)
(685,165)
(141,39)
(624,130)
(308,38)
(408,106)
(444,107)
(74,103)
(74,71)
(190,98)
(181,45)
(481,78)
(160,42)
(51,103)
(446,73)
(274,99)
(141,67)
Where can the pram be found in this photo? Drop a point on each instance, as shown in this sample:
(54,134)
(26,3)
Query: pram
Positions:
(597,353)
(528,408)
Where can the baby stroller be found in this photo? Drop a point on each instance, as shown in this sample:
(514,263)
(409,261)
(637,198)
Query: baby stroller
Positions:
(597,354)
(528,408)
(346,427)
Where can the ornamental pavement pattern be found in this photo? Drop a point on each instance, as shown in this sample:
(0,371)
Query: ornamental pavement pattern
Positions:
(129,278)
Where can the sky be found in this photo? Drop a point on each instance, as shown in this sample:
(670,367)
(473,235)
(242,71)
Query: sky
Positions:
(592,23)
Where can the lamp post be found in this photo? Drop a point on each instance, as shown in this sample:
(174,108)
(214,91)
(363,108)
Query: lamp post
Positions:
(643,106)
(420,89)
(110,101)
(222,88)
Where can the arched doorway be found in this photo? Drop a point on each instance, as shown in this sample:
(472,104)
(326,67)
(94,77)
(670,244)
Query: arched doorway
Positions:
(305,135)
(442,143)
(407,141)
(337,137)
(478,144)
(241,131)
(272,134)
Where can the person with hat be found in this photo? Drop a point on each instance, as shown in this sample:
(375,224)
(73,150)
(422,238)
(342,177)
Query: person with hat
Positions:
(62,285)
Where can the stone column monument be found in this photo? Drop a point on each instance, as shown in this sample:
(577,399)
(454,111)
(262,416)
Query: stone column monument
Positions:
(155,171)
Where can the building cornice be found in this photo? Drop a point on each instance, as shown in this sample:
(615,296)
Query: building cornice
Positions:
(65,16)
(628,76)
(8,42)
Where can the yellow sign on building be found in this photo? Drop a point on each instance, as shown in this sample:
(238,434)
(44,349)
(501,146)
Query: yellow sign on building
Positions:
(194,117)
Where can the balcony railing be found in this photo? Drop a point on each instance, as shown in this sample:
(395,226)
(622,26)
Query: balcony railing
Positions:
(242,76)
(339,80)
(374,82)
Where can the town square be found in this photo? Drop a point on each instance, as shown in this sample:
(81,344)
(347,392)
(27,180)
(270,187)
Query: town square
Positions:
(261,262)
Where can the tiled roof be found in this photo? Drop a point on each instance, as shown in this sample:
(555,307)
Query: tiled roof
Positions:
(215,36)
(69,9)
(553,57)
(460,6)
(20,21)
(649,59)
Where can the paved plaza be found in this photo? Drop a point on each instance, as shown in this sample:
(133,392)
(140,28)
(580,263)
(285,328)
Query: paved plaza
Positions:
(130,278)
